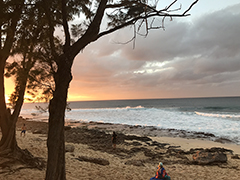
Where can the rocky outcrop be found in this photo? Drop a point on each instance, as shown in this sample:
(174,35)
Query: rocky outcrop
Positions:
(206,158)
(69,148)
(235,156)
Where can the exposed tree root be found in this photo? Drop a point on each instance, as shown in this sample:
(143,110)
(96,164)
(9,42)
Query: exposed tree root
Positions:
(11,162)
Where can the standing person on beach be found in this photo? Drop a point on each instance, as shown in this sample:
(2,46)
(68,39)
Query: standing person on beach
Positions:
(161,173)
(23,130)
(114,139)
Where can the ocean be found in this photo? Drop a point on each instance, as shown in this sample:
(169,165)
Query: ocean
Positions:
(219,116)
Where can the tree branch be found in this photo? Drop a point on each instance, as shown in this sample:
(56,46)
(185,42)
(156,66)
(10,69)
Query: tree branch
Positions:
(92,34)
(170,5)
(134,20)
(51,27)
(93,30)
(190,7)
(65,26)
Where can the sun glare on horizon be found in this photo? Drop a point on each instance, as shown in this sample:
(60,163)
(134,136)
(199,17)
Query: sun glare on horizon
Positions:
(79,98)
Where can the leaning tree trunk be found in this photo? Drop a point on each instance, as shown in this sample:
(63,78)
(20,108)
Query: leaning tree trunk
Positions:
(8,125)
(8,143)
(56,139)
(8,139)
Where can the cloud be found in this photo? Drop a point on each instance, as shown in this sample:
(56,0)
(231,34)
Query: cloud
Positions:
(178,62)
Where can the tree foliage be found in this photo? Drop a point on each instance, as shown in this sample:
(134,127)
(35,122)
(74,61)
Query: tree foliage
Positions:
(32,58)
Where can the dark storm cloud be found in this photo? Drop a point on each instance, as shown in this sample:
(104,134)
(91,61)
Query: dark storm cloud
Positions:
(203,52)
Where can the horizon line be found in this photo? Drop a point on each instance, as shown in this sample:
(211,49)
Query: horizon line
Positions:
(159,98)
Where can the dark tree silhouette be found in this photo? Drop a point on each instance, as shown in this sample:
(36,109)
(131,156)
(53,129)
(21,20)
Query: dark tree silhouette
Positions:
(25,39)
(141,14)
(11,13)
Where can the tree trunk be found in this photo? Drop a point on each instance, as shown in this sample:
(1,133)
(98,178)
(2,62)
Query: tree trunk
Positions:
(8,140)
(56,139)
(8,143)
(8,126)
(8,121)
(62,78)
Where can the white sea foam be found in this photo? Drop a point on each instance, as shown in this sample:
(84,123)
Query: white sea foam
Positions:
(218,115)
(162,118)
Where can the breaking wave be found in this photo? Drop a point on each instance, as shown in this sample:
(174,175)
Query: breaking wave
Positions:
(218,115)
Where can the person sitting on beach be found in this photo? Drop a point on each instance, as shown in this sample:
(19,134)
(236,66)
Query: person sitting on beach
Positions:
(114,139)
(23,130)
(161,173)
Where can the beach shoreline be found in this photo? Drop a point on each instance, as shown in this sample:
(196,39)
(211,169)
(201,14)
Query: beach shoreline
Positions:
(136,152)
(186,140)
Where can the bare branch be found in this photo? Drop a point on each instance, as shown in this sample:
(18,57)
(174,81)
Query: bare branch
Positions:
(177,9)
(92,33)
(134,20)
(156,27)
(190,7)
(133,39)
(170,5)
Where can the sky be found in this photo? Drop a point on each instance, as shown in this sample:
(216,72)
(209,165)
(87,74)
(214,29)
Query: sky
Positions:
(195,56)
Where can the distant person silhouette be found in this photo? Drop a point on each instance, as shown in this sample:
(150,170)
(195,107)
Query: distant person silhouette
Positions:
(114,139)
(23,130)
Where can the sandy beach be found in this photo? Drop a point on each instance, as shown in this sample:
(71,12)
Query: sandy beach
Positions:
(136,156)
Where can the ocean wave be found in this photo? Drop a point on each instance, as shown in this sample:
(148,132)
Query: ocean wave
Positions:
(215,108)
(110,109)
(217,115)
(129,107)
(221,108)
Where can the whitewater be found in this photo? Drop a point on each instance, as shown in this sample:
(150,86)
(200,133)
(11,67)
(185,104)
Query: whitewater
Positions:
(217,116)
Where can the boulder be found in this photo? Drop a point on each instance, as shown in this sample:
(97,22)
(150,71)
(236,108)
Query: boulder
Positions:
(69,148)
(235,156)
(67,128)
(223,140)
(207,158)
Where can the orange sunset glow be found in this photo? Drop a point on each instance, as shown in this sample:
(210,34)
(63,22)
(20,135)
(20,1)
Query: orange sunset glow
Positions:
(9,88)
